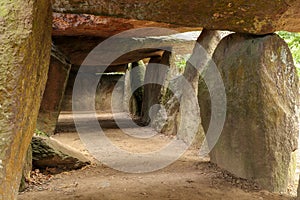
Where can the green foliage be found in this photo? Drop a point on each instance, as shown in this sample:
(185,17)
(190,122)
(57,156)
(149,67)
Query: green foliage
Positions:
(293,40)
(40,133)
(181,61)
(181,64)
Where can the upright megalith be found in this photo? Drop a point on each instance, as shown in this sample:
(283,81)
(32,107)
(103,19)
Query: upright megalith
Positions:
(58,75)
(25,29)
(260,134)
(137,75)
(179,105)
(155,75)
(298,191)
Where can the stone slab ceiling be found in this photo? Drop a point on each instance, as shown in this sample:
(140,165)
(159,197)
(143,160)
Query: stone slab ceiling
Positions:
(256,16)
(104,26)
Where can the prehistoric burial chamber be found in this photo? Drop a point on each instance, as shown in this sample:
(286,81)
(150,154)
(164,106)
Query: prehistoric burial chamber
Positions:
(269,95)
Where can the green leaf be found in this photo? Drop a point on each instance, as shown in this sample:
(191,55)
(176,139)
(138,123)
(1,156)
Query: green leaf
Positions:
(293,40)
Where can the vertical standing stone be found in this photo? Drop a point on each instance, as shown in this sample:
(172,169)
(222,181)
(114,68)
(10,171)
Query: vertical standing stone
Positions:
(155,75)
(27,168)
(298,191)
(137,75)
(109,93)
(259,138)
(202,55)
(25,29)
(127,91)
(58,75)
(178,106)
(101,101)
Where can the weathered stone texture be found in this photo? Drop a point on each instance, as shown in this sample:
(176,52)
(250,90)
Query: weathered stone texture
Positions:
(177,106)
(27,168)
(49,153)
(104,26)
(109,93)
(127,92)
(137,76)
(298,191)
(103,97)
(58,75)
(130,49)
(155,76)
(25,31)
(257,16)
(259,138)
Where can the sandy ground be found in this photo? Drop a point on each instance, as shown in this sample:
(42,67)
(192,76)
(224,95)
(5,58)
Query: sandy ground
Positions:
(190,177)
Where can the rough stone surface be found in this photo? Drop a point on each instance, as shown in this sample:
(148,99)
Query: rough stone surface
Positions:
(137,76)
(257,16)
(298,191)
(25,31)
(127,92)
(132,49)
(27,167)
(104,26)
(260,134)
(167,119)
(156,72)
(103,98)
(58,75)
(49,153)
(208,41)
(177,106)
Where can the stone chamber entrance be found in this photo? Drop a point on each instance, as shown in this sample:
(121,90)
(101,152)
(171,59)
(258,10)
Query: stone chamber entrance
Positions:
(149,100)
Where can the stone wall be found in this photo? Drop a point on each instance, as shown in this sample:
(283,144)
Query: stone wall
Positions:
(176,116)
(25,29)
(58,76)
(103,93)
(260,134)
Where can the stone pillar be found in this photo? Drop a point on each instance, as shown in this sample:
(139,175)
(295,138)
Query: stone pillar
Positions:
(27,168)
(25,29)
(127,91)
(155,73)
(177,108)
(260,134)
(137,74)
(208,41)
(298,191)
(109,93)
(58,75)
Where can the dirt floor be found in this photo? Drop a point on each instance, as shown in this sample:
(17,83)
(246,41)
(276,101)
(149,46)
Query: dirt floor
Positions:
(190,177)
